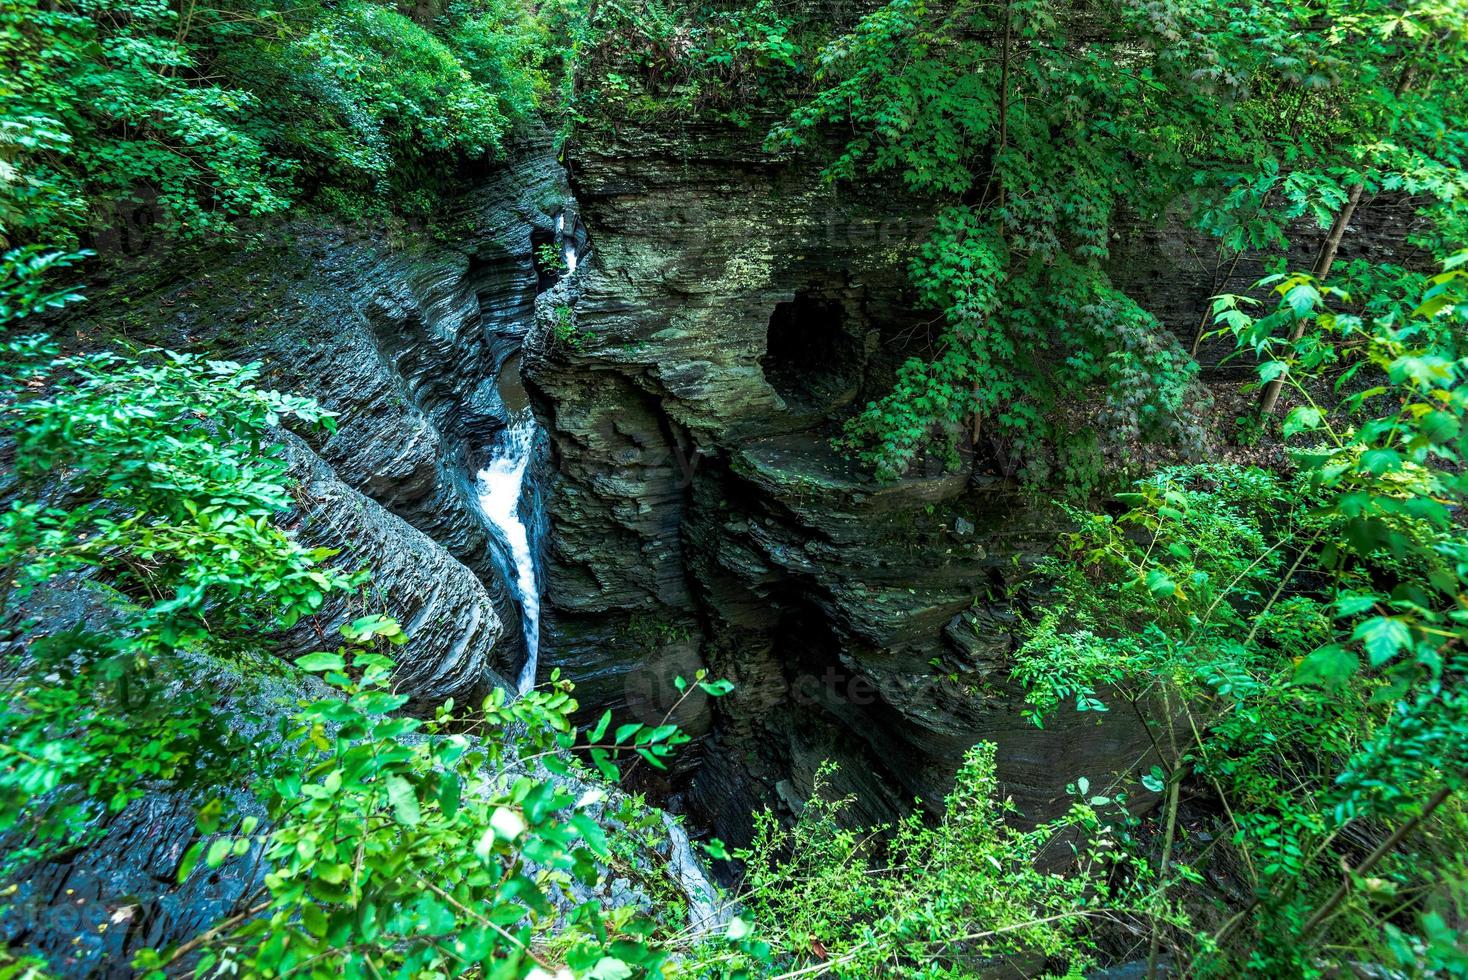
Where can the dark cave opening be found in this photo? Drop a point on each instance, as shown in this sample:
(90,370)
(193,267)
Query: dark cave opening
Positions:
(543,252)
(813,360)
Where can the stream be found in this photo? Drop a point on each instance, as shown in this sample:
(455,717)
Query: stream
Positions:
(502,482)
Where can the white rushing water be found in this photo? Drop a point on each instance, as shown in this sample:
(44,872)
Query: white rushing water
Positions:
(568,245)
(500,484)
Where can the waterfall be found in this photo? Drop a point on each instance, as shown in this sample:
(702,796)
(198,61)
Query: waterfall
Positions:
(500,485)
(502,481)
(568,244)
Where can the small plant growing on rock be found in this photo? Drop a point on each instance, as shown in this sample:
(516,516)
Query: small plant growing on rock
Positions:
(564,331)
(550,258)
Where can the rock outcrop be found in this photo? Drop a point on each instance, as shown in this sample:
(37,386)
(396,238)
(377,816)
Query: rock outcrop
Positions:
(443,606)
(735,308)
(402,333)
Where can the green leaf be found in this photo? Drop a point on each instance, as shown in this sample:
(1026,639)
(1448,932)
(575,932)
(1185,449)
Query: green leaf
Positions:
(378,702)
(209,816)
(404,800)
(218,851)
(1350,604)
(318,662)
(449,790)
(333,872)
(1155,780)
(506,823)
(604,765)
(1159,583)
(601,727)
(1440,427)
(609,968)
(592,833)
(1269,370)
(1381,461)
(1328,666)
(190,860)
(1383,637)
(1302,418)
(314,919)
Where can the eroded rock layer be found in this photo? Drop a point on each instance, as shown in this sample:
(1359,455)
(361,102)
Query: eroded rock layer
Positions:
(402,333)
(735,308)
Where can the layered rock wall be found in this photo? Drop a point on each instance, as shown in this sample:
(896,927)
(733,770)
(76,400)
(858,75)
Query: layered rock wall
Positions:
(735,308)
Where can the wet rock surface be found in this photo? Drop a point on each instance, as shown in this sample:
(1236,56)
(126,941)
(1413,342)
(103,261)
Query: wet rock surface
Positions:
(402,335)
(442,605)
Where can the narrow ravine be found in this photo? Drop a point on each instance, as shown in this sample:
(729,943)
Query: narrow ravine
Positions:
(500,487)
(502,482)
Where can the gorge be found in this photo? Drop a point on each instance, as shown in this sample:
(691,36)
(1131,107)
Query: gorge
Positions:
(658,496)
(737,490)
(688,510)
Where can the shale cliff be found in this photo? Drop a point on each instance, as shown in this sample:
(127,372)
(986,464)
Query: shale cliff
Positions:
(733,308)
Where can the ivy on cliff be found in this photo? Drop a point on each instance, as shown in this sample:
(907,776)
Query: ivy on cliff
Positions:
(1036,124)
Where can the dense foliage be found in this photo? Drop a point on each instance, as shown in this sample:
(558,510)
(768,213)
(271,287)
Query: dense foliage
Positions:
(944,900)
(1295,640)
(172,537)
(1290,630)
(205,115)
(169,521)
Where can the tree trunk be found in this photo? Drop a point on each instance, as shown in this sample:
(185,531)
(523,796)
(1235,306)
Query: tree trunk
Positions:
(1323,261)
(1326,257)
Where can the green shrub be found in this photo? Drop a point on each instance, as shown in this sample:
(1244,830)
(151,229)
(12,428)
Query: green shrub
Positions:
(237,111)
(368,99)
(949,899)
(1295,643)
(166,512)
